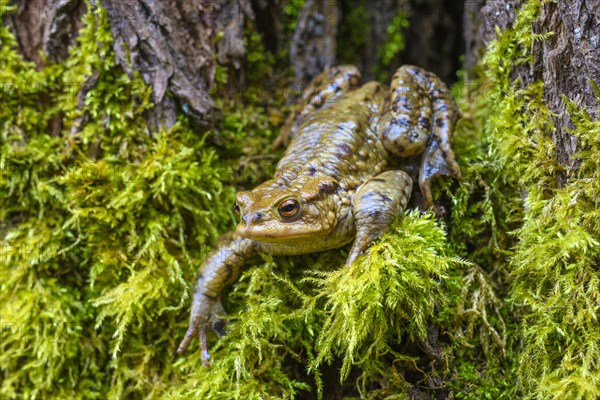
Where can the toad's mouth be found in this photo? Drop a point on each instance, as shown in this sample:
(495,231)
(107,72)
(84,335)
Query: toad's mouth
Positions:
(278,235)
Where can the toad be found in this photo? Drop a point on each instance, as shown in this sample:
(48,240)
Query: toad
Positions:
(343,177)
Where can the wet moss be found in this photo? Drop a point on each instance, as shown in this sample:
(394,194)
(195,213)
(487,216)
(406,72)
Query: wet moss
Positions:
(543,244)
(104,223)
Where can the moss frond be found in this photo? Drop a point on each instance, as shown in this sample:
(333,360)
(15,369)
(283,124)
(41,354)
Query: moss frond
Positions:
(391,294)
(554,263)
(100,223)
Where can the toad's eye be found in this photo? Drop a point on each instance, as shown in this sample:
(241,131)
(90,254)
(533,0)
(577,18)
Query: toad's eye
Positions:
(236,208)
(289,208)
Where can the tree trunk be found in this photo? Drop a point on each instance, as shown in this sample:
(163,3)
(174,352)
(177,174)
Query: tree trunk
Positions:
(313,46)
(170,42)
(49,26)
(433,39)
(566,62)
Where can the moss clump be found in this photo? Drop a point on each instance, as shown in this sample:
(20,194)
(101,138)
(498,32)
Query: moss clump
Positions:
(556,276)
(368,317)
(101,221)
(533,242)
(552,265)
(390,295)
(478,323)
(104,222)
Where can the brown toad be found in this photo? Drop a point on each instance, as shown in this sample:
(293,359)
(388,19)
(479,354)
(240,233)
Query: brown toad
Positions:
(340,179)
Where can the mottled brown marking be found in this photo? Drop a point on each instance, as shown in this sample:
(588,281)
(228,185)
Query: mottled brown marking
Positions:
(385,197)
(328,186)
(344,149)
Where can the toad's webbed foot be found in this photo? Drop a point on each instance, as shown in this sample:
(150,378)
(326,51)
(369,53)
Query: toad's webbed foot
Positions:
(206,312)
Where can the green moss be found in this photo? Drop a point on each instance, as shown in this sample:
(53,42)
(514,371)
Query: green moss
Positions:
(484,208)
(292,11)
(98,216)
(104,223)
(368,317)
(355,39)
(391,294)
(554,262)
(504,146)
(555,268)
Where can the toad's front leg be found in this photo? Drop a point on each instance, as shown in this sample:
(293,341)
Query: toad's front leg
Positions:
(220,268)
(376,203)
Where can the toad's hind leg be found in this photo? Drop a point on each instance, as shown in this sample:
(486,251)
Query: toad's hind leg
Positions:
(320,93)
(422,118)
(376,203)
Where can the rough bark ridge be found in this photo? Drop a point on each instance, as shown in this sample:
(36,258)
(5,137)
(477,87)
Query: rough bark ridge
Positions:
(570,60)
(171,43)
(480,18)
(565,62)
(49,26)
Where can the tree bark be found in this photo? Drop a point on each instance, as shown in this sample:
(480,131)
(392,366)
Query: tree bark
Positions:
(433,39)
(566,62)
(314,45)
(174,44)
(170,42)
(570,61)
(48,26)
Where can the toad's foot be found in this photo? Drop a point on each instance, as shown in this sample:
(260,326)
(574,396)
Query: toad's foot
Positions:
(219,269)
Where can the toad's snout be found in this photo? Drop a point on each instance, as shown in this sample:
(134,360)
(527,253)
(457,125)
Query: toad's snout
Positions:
(252,217)
(249,223)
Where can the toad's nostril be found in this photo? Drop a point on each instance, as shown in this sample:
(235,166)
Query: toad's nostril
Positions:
(257,216)
(249,217)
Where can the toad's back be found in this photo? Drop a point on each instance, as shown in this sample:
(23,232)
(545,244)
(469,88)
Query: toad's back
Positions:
(339,140)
